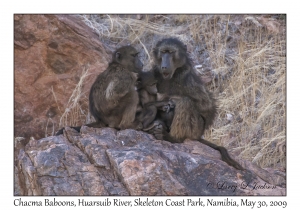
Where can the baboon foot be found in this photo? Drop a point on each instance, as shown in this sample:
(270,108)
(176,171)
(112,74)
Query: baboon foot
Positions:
(139,126)
(158,134)
(157,130)
(155,123)
(136,125)
(171,104)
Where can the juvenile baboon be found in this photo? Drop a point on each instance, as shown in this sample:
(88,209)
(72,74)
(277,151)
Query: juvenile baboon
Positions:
(195,107)
(113,98)
(149,106)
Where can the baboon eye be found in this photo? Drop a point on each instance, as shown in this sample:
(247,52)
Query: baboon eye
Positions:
(135,55)
(167,51)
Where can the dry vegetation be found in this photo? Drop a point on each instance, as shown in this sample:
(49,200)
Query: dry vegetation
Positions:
(243,58)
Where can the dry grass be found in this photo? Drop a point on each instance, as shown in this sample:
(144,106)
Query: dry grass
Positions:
(246,56)
(74,114)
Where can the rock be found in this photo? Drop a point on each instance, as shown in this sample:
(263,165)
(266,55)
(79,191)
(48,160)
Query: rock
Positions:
(103,161)
(50,54)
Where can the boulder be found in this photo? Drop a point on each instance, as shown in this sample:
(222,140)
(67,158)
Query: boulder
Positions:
(104,161)
(51,53)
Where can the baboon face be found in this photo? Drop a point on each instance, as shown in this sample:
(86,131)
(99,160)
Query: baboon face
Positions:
(169,54)
(127,56)
(149,83)
(151,88)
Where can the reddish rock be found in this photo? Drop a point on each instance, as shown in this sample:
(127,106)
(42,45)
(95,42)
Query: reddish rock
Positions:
(50,53)
(104,161)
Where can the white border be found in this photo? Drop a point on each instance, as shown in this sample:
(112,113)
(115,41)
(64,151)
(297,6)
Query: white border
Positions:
(153,6)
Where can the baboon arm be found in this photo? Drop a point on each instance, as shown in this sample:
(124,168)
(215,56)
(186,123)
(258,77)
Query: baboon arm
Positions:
(200,95)
(157,104)
(128,116)
(118,88)
(115,90)
(149,115)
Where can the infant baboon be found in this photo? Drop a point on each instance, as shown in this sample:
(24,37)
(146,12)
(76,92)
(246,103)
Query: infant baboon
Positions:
(113,99)
(149,106)
(195,106)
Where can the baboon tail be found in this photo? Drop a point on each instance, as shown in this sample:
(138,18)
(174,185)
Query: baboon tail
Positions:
(224,154)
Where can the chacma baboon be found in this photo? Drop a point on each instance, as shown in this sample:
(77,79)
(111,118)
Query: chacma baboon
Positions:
(149,106)
(113,98)
(195,107)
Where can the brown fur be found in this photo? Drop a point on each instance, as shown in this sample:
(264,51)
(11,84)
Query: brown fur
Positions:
(195,106)
(149,106)
(113,99)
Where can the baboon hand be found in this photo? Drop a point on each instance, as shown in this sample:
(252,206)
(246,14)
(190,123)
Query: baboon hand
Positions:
(171,103)
(169,106)
(166,108)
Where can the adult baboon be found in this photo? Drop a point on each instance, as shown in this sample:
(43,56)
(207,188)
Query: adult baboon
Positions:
(113,98)
(195,107)
(149,106)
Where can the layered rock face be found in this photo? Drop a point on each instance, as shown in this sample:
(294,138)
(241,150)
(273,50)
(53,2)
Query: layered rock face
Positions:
(104,161)
(51,52)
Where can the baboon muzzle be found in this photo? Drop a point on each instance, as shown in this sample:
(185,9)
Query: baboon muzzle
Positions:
(166,66)
(139,65)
